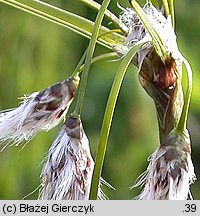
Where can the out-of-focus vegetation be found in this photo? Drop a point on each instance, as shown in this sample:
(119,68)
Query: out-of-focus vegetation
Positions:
(35,53)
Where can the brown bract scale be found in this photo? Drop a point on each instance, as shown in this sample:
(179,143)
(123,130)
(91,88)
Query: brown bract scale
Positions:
(52,98)
(67,172)
(159,62)
(170,172)
(162,75)
(162,82)
(72,128)
(39,111)
(166,74)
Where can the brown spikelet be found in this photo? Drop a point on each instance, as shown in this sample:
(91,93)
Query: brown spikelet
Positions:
(170,172)
(68,169)
(39,111)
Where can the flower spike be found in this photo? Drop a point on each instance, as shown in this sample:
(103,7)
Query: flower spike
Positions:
(170,172)
(39,111)
(68,170)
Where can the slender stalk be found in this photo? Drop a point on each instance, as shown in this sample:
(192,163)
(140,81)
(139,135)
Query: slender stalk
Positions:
(166,7)
(77,69)
(90,51)
(184,115)
(113,30)
(114,19)
(110,55)
(105,129)
(80,67)
(171,11)
(48,12)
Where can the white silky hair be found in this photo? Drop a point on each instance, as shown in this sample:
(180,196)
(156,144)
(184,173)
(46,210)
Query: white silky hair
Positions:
(164,179)
(168,176)
(67,172)
(136,31)
(163,27)
(64,173)
(39,111)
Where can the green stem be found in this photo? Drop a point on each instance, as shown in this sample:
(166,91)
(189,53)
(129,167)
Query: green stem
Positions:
(105,129)
(77,69)
(184,115)
(171,11)
(166,7)
(113,31)
(115,20)
(99,58)
(90,51)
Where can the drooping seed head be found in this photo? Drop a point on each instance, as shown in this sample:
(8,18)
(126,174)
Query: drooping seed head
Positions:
(136,31)
(39,111)
(170,172)
(68,169)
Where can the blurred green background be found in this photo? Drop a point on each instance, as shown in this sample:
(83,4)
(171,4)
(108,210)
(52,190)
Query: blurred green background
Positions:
(35,53)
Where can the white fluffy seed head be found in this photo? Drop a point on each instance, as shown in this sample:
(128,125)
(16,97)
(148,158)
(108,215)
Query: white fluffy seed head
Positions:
(170,172)
(163,27)
(68,169)
(136,31)
(39,111)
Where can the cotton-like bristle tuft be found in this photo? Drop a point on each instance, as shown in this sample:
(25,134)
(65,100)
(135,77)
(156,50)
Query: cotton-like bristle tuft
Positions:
(170,172)
(39,111)
(68,169)
(67,173)
(136,31)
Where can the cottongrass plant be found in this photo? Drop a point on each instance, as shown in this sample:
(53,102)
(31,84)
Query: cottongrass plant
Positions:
(170,172)
(147,39)
(68,170)
(41,110)
(159,63)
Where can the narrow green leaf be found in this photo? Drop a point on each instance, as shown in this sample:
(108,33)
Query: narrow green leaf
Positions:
(171,11)
(108,116)
(166,7)
(89,54)
(110,55)
(114,19)
(62,17)
(187,96)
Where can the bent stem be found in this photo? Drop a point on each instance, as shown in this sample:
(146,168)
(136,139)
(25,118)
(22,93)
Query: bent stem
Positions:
(79,68)
(184,115)
(114,19)
(76,72)
(107,120)
(89,54)
(110,55)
